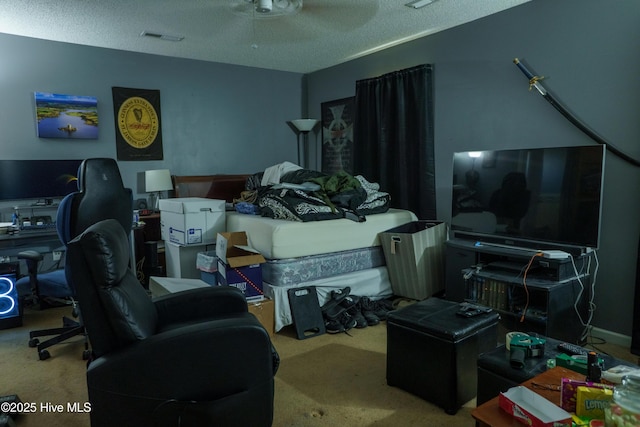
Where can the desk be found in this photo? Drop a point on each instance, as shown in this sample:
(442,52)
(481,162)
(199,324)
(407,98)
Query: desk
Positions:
(43,241)
(489,414)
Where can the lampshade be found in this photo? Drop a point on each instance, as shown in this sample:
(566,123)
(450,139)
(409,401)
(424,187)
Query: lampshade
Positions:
(157,180)
(304,125)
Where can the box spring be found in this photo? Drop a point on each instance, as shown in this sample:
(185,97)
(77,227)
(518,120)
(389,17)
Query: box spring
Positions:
(292,271)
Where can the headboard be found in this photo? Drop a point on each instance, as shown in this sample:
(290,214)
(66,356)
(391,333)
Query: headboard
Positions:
(221,187)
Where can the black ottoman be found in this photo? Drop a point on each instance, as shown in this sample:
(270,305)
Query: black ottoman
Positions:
(496,375)
(432,352)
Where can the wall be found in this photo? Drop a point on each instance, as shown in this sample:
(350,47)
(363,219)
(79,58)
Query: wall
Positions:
(216,118)
(588,53)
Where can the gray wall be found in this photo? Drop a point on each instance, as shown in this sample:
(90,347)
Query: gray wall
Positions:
(589,53)
(216,118)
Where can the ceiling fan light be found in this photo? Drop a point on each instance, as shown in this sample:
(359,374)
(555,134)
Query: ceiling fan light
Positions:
(265,9)
(264,6)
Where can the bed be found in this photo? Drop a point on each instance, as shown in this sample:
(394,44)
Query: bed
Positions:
(330,254)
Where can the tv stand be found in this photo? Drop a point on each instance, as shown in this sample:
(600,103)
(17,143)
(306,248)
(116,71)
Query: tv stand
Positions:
(494,275)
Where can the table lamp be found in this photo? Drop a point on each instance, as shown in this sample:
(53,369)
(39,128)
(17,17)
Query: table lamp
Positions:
(155,182)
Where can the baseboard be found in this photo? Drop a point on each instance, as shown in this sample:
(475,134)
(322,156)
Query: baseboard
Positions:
(612,337)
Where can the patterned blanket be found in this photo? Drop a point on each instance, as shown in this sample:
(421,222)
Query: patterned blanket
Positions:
(314,196)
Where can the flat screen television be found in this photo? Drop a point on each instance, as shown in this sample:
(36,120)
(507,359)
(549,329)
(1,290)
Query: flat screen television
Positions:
(37,179)
(541,198)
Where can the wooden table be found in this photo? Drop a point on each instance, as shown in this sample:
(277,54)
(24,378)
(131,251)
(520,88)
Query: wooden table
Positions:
(490,414)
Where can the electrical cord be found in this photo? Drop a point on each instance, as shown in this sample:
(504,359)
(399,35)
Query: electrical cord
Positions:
(524,285)
(591,307)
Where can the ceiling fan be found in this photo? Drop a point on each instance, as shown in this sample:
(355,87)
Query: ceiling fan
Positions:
(266,8)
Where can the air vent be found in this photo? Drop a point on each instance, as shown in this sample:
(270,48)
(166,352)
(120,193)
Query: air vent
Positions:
(168,37)
(417,4)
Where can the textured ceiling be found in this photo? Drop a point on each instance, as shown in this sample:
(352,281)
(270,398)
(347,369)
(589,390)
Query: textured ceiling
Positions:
(324,33)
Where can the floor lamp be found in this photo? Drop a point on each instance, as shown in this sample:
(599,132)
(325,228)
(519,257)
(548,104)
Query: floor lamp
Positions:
(304,126)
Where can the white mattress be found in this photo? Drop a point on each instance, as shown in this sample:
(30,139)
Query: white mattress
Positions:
(277,239)
(373,283)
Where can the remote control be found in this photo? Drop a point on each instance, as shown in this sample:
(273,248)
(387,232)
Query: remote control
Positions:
(572,349)
(470,310)
(471,306)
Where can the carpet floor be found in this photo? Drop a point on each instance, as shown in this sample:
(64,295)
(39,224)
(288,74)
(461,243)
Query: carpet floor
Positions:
(325,380)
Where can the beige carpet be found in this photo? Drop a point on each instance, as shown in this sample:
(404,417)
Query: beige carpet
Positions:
(325,380)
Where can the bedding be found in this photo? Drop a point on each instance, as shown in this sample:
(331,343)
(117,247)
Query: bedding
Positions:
(279,239)
(373,283)
(304,195)
(291,271)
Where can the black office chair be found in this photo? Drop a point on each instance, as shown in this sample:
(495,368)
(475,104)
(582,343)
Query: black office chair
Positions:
(101,195)
(191,358)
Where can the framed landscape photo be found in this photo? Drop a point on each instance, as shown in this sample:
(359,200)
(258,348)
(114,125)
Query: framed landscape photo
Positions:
(337,136)
(66,116)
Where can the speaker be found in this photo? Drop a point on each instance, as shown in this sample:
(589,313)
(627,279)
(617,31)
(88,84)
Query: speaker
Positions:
(10,310)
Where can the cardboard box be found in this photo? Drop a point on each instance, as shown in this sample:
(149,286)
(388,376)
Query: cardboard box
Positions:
(180,260)
(264,311)
(414,253)
(209,278)
(239,265)
(569,392)
(191,220)
(591,401)
(531,409)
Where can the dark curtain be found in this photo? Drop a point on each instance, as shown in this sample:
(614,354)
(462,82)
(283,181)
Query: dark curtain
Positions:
(393,137)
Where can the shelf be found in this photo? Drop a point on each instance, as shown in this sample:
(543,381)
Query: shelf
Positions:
(497,279)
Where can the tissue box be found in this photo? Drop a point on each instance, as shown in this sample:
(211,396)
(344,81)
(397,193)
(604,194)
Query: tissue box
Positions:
(207,261)
(531,409)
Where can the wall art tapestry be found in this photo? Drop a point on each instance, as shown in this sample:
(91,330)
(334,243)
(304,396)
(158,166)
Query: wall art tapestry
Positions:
(337,136)
(138,123)
(66,116)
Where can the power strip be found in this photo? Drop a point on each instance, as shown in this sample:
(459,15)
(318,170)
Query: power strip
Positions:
(555,254)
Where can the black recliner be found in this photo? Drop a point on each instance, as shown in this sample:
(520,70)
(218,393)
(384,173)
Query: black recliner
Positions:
(192,358)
